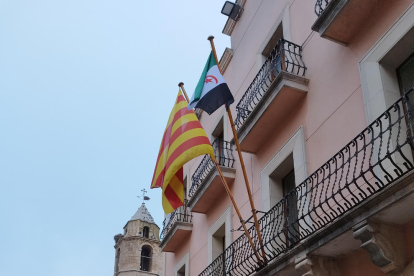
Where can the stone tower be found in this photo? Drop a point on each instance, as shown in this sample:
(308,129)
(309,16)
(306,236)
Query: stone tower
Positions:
(137,251)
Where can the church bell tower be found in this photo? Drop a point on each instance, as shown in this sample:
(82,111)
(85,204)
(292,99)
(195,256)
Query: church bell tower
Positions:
(137,251)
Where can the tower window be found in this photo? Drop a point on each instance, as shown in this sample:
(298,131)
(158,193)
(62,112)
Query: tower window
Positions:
(146,253)
(145,232)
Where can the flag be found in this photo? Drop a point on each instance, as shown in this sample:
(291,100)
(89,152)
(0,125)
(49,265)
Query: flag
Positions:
(184,138)
(211,91)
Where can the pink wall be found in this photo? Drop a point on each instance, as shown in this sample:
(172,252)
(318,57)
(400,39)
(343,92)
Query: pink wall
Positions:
(359,264)
(332,113)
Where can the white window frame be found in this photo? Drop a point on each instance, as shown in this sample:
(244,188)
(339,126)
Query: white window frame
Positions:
(284,19)
(295,145)
(225,218)
(184,261)
(379,91)
(222,115)
(379,82)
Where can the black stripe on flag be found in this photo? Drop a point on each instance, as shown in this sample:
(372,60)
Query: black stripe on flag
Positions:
(215,98)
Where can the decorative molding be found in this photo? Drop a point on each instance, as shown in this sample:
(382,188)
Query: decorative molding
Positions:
(225,218)
(230,24)
(295,145)
(225,59)
(137,271)
(317,266)
(376,85)
(185,261)
(385,247)
(119,239)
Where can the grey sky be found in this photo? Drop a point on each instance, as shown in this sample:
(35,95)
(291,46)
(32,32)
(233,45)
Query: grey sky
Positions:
(86,87)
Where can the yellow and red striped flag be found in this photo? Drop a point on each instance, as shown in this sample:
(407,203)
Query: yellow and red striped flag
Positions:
(184,138)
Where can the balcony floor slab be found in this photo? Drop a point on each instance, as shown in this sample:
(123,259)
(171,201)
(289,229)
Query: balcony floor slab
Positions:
(176,236)
(286,91)
(205,196)
(336,240)
(341,19)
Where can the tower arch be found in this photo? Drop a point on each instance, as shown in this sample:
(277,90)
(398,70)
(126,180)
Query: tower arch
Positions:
(146,254)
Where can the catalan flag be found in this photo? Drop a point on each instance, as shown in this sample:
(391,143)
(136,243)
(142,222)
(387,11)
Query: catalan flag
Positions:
(184,138)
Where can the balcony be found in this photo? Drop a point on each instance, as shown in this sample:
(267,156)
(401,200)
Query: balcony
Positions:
(275,91)
(339,20)
(206,180)
(371,177)
(176,228)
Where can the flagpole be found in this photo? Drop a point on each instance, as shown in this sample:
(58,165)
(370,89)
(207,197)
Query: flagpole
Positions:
(236,140)
(181,85)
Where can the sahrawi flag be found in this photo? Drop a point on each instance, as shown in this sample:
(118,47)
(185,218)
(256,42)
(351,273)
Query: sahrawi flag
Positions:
(212,90)
(184,138)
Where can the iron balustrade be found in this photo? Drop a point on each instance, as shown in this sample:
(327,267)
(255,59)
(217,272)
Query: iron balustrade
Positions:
(285,56)
(320,6)
(223,151)
(181,214)
(378,156)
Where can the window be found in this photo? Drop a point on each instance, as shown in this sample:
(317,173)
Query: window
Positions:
(217,137)
(277,35)
(405,75)
(146,253)
(284,171)
(182,268)
(290,207)
(181,271)
(382,71)
(378,68)
(290,157)
(219,235)
(282,183)
(273,50)
(145,232)
(219,244)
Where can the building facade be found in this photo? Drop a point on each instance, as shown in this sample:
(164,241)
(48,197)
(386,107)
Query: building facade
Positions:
(137,251)
(324,114)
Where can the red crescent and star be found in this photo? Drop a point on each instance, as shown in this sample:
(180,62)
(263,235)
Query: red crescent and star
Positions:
(210,78)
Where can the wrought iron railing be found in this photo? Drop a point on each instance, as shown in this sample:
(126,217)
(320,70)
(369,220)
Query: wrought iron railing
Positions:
(285,56)
(181,214)
(379,155)
(320,6)
(223,151)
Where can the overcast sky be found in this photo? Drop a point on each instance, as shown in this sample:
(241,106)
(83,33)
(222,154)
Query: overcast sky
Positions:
(86,87)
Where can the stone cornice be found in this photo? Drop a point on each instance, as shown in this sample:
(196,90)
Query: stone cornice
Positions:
(225,59)
(132,238)
(134,270)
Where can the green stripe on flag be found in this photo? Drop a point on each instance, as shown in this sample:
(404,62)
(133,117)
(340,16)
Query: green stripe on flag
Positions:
(199,88)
